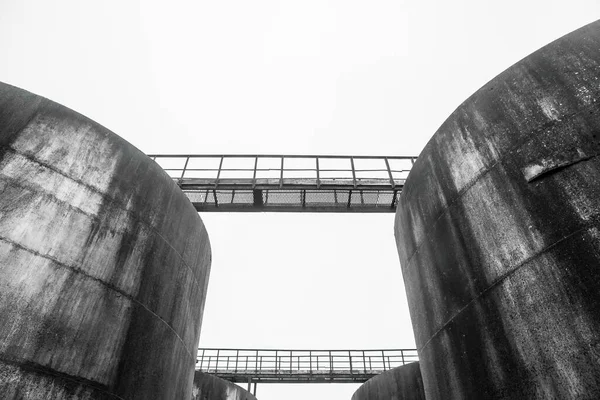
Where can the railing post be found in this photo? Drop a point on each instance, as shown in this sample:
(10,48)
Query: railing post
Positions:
(219,172)
(402,354)
(350,358)
(290,362)
(383,359)
(310,360)
(237,358)
(318,174)
(353,171)
(330,363)
(254,175)
(281,174)
(217,364)
(387,164)
(202,359)
(187,160)
(364,361)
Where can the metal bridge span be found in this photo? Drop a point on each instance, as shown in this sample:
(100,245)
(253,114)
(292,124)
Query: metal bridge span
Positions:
(254,366)
(289,183)
(292,183)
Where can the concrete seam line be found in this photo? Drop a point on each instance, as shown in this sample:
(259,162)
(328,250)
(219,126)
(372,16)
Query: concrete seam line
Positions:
(41,369)
(111,287)
(530,136)
(119,205)
(94,217)
(38,189)
(17,183)
(499,280)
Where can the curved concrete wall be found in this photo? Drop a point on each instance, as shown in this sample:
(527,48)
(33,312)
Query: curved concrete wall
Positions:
(103,262)
(209,387)
(402,383)
(498,232)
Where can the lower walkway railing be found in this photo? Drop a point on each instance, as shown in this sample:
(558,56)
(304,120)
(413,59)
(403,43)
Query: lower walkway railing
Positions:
(309,366)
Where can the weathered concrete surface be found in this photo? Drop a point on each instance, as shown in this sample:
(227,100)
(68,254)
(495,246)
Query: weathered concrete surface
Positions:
(104,262)
(402,383)
(498,231)
(209,387)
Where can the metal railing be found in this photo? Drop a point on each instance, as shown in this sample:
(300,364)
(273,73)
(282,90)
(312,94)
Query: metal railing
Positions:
(285,169)
(289,182)
(262,365)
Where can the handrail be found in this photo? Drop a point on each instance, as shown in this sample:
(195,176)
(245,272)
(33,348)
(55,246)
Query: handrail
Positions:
(290,349)
(180,171)
(275,156)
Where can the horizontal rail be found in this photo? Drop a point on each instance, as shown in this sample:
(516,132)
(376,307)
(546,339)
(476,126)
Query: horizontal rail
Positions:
(287,349)
(273,156)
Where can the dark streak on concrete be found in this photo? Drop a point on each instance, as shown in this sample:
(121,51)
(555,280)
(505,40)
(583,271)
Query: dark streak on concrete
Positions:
(498,232)
(68,384)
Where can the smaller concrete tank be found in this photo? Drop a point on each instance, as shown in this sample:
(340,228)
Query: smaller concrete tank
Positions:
(401,383)
(209,387)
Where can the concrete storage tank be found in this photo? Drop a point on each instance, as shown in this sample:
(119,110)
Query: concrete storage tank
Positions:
(209,387)
(401,383)
(104,262)
(498,232)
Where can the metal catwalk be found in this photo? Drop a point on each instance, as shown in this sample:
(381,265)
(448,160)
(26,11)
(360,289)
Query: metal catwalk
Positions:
(289,183)
(297,366)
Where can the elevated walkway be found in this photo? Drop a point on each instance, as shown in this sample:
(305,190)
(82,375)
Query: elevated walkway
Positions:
(289,183)
(300,366)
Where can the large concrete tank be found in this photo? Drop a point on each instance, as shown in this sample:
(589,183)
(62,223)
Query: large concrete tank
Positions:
(498,231)
(401,383)
(103,262)
(209,387)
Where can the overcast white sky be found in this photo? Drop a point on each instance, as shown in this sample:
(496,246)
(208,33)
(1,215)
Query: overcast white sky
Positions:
(286,77)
